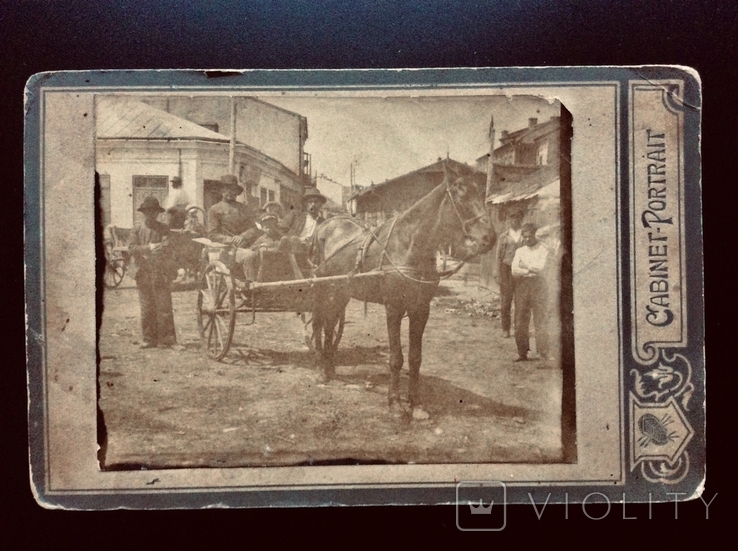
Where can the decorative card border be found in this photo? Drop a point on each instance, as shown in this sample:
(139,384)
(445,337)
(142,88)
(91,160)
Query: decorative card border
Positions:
(660,431)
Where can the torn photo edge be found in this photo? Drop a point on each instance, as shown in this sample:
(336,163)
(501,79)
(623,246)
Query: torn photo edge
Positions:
(654,371)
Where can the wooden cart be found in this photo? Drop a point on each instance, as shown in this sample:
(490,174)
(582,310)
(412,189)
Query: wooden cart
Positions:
(283,284)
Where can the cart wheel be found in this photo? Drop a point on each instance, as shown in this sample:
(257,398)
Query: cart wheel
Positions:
(216,310)
(307,321)
(114,272)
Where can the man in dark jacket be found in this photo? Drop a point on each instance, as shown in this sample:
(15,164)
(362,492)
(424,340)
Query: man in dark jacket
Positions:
(509,242)
(233,223)
(150,249)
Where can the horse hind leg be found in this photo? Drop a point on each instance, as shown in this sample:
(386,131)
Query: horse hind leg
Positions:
(418,320)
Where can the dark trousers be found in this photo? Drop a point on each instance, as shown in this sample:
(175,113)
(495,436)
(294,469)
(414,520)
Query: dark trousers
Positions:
(507,290)
(531,297)
(157,318)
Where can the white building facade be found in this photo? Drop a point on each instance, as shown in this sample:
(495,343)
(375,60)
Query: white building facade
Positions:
(140,148)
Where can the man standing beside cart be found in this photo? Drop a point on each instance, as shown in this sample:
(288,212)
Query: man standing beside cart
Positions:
(150,249)
(233,223)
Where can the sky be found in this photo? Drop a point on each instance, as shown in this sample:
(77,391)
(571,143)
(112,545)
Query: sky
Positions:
(386,137)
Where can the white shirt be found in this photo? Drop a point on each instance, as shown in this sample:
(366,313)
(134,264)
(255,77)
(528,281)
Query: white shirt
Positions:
(529,261)
(309,228)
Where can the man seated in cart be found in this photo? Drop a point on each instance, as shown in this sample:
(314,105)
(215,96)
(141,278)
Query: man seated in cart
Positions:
(299,228)
(233,223)
(271,240)
(275,208)
(272,236)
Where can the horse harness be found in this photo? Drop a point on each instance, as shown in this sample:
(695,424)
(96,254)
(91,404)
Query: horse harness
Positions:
(406,271)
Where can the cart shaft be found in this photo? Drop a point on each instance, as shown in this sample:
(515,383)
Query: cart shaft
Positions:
(311,281)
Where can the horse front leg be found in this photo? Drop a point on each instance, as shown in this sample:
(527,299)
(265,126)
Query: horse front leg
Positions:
(329,369)
(394,323)
(418,319)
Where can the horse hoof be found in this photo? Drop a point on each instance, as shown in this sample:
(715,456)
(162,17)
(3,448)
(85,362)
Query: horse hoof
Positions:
(419,414)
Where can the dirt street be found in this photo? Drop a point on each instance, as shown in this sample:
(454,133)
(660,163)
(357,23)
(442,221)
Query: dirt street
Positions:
(264,405)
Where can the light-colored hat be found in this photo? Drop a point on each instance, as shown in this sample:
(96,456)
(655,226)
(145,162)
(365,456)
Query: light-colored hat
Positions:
(313,193)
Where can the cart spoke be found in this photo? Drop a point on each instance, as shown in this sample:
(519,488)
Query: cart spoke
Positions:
(223,293)
(210,334)
(219,331)
(208,323)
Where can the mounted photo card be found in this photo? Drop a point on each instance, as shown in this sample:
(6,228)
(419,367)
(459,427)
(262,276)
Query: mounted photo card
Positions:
(363,287)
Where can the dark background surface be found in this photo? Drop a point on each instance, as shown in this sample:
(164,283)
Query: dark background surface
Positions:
(47,36)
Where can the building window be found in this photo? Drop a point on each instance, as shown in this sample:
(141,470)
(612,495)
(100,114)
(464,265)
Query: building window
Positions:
(271,195)
(263,198)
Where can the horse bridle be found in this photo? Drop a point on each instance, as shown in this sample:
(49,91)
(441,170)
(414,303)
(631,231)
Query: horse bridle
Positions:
(458,214)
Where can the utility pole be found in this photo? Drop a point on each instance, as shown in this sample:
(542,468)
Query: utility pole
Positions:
(232,150)
(490,161)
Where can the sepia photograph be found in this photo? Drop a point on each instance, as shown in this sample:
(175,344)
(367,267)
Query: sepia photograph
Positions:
(332,280)
(288,288)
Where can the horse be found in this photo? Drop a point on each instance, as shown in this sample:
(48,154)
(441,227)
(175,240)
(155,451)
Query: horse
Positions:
(403,250)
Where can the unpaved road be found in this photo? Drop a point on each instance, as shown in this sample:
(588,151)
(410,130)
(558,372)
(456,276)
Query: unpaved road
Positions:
(264,405)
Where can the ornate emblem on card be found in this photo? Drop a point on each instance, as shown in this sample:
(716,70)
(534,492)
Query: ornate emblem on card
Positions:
(660,430)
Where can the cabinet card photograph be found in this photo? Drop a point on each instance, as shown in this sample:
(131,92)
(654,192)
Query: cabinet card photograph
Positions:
(302,288)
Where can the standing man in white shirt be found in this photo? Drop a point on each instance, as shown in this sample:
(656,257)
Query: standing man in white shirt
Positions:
(531,294)
(176,204)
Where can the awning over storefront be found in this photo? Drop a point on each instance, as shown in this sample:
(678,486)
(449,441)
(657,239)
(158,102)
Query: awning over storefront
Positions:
(548,193)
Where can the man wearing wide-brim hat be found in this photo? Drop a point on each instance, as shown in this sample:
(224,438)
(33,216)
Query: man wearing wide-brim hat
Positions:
(233,223)
(150,249)
(302,228)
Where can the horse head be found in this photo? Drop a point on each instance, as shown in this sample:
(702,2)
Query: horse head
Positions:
(472,230)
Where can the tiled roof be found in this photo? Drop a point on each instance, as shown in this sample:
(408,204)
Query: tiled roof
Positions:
(125,118)
(528,134)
